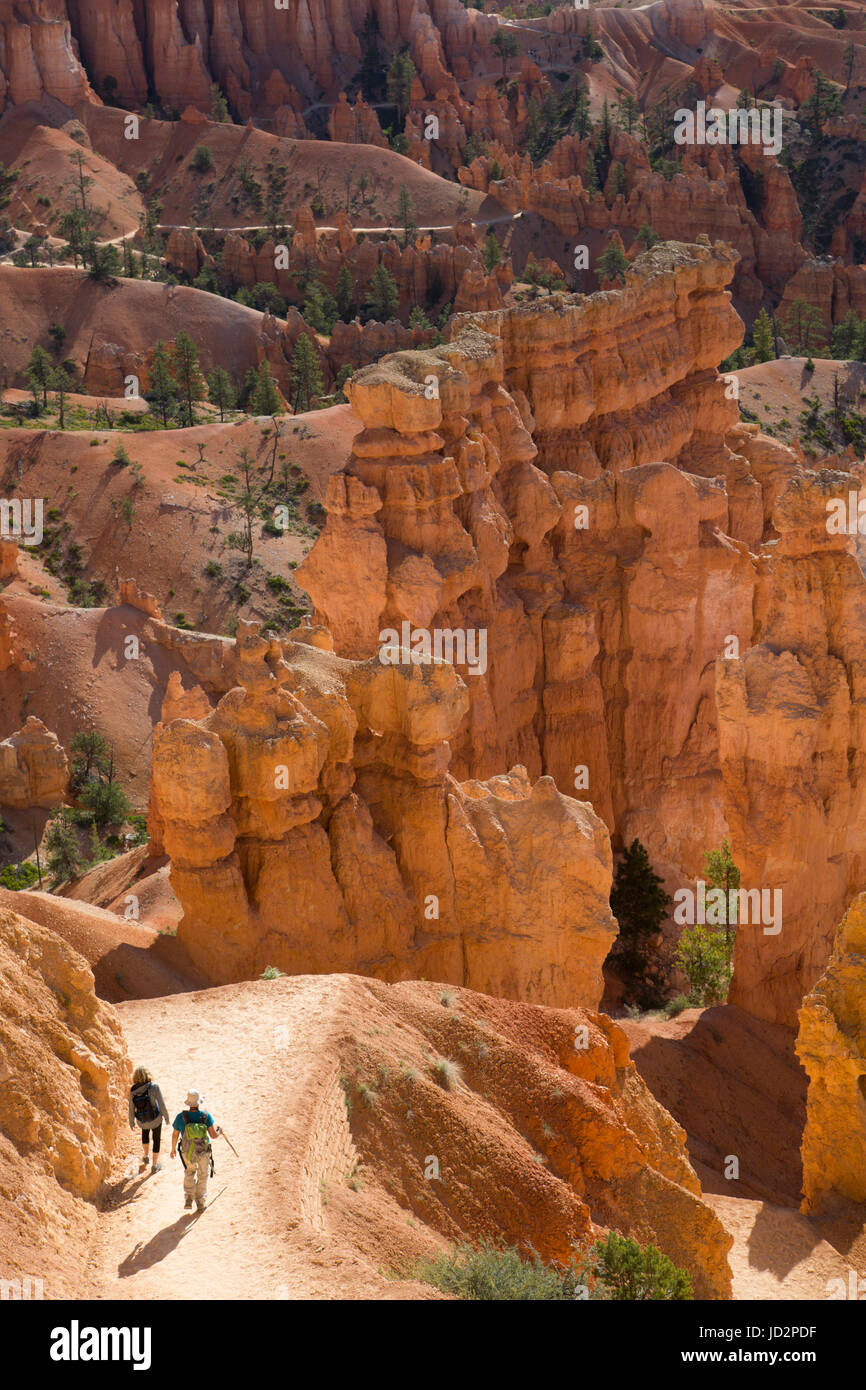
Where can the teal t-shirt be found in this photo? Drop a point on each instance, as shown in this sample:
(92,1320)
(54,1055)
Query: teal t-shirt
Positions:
(196,1118)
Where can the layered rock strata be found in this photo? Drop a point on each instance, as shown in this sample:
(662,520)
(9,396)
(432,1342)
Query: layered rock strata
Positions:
(572,482)
(831,1044)
(33,767)
(313,825)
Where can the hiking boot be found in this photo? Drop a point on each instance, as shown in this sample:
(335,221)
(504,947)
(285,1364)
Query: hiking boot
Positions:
(187,1203)
(157,1168)
(200,1203)
(142,1165)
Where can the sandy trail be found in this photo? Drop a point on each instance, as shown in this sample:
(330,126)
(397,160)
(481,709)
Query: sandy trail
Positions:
(267,1072)
(267,1056)
(778,1254)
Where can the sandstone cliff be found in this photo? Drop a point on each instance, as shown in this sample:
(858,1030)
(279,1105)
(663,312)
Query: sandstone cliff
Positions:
(313,825)
(33,767)
(576,485)
(832,1047)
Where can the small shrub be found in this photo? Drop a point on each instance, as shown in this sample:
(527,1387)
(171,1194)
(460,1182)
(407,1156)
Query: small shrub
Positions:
(627,1273)
(491,1272)
(202,159)
(270,972)
(19,876)
(702,956)
(446,1073)
(675,1006)
(367,1093)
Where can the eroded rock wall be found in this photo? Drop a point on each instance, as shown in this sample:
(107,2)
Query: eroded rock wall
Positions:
(313,825)
(670,629)
(33,767)
(63,1065)
(832,1047)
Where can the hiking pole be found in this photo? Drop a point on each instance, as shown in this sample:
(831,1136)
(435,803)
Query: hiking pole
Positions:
(230,1144)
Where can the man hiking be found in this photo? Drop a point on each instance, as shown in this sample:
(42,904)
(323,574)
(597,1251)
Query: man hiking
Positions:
(191,1129)
(147,1110)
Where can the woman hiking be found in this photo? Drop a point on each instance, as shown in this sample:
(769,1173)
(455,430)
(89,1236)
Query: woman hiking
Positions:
(147,1110)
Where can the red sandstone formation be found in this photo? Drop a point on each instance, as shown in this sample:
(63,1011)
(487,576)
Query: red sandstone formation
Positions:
(623,512)
(832,1047)
(33,767)
(312,824)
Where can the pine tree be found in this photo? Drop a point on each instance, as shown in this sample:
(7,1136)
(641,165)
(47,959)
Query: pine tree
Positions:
(249,502)
(344,294)
(384,295)
(266,398)
(507,46)
(592,184)
(605,128)
(61,383)
(639,903)
(582,120)
(858,346)
(803,328)
(637,899)
(628,112)
(8,180)
(63,855)
(492,252)
(401,75)
(162,387)
(320,308)
(251,381)
(849,60)
(823,103)
(39,371)
(306,374)
(722,872)
(219,107)
(91,756)
(187,373)
(843,344)
(612,263)
(618,181)
(371,73)
(404,212)
(107,800)
(762,338)
(221,391)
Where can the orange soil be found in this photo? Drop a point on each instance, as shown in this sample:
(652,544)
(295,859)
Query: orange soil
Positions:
(168,540)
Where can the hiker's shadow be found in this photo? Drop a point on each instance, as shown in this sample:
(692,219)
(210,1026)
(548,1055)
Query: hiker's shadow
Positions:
(156,1249)
(121,1195)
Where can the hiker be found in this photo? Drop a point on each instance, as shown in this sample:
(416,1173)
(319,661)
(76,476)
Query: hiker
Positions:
(147,1110)
(192,1128)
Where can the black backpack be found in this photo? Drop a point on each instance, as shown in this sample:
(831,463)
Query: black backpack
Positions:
(143,1103)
